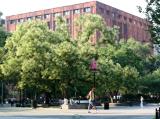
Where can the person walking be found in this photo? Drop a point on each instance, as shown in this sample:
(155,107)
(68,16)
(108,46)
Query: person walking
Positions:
(91,97)
(12,102)
(141,102)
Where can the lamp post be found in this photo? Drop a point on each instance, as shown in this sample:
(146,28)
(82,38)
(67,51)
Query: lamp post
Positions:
(2,82)
(93,67)
(2,93)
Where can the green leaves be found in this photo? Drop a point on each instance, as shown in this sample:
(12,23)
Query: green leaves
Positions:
(29,52)
(121,66)
(151,83)
(92,25)
(3,36)
(52,61)
(152,11)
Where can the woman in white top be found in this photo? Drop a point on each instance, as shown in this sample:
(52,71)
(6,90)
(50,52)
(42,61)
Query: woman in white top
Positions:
(141,102)
(91,98)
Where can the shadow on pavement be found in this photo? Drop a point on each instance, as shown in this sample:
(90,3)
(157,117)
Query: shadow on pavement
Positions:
(80,117)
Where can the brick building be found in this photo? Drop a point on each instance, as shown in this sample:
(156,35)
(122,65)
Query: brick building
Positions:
(130,25)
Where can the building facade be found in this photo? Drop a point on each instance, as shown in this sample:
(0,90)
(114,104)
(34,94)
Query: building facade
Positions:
(129,25)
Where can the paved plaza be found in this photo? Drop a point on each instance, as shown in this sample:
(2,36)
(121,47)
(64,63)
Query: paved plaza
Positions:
(120,112)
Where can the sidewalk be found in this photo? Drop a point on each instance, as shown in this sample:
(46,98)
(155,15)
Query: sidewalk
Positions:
(121,110)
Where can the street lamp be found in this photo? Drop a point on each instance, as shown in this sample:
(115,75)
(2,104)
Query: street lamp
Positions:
(2,82)
(2,93)
(93,67)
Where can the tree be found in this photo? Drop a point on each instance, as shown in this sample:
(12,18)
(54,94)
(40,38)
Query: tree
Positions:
(52,61)
(3,34)
(1,18)
(90,25)
(121,66)
(151,64)
(109,78)
(132,53)
(75,54)
(151,83)
(131,79)
(40,57)
(67,65)
(30,56)
(152,12)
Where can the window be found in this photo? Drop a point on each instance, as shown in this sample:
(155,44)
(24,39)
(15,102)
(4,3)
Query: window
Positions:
(12,21)
(113,15)
(125,29)
(101,10)
(20,20)
(130,20)
(120,29)
(87,9)
(134,22)
(65,13)
(38,17)
(140,23)
(47,16)
(57,14)
(29,18)
(119,16)
(76,11)
(107,12)
(125,18)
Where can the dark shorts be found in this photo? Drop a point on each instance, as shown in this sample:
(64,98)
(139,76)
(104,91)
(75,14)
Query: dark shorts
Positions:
(93,102)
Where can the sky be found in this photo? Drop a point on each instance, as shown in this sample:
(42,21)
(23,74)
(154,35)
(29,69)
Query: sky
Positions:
(13,7)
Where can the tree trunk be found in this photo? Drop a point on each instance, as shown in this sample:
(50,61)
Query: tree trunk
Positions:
(116,93)
(111,98)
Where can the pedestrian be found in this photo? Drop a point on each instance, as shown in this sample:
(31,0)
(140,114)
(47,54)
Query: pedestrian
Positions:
(91,97)
(141,102)
(12,102)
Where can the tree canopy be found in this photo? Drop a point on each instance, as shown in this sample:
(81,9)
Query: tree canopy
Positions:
(152,12)
(53,61)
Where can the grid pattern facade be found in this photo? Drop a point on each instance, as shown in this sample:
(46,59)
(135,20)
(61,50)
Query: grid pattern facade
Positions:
(129,25)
